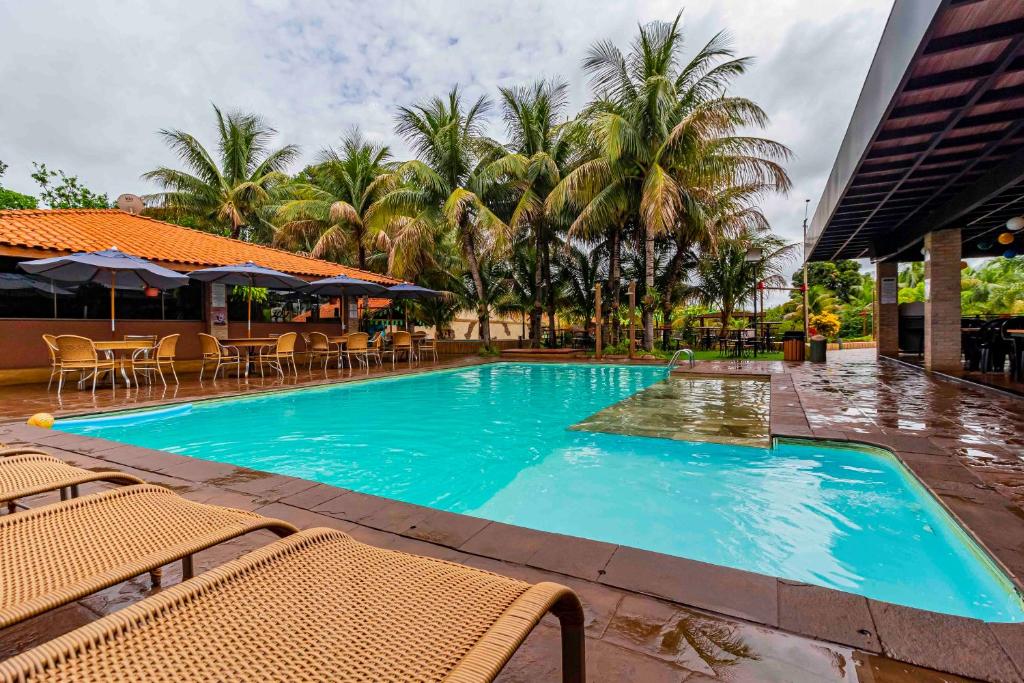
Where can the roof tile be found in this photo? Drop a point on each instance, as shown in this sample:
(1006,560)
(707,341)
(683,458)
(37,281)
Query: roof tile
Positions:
(57,231)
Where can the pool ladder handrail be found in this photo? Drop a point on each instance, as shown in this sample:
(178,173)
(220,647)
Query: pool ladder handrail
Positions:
(675,357)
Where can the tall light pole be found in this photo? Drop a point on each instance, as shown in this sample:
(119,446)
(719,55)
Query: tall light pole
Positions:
(807,313)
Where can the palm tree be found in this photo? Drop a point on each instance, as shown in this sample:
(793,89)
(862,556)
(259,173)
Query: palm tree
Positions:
(541,151)
(232,188)
(666,134)
(726,278)
(580,270)
(330,201)
(444,190)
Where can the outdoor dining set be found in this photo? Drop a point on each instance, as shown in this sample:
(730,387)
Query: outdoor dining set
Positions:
(153,358)
(988,345)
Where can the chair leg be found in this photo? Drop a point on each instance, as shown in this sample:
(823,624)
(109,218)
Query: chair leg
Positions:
(570,617)
(174,373)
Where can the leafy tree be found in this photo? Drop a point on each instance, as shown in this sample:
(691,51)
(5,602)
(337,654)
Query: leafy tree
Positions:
(328,204)
(233,188)
(666,134)
(842,277)
(61,191)
(726,279)
(9,199)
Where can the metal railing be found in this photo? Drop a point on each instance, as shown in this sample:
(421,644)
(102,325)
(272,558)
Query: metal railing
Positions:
(675,357)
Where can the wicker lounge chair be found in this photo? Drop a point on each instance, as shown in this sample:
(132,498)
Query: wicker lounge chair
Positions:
(31,473)
(54,554)
(317,606)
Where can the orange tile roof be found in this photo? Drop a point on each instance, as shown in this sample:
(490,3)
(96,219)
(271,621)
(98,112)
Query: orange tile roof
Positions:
(38,233)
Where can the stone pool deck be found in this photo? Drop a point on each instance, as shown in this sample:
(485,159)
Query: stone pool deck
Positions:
(653,617)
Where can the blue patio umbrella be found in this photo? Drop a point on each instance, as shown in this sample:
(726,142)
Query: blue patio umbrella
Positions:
(407,290)
(344,286)
(250,275)
(110,267)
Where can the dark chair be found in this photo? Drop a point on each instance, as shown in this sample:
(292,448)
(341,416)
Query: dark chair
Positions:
(1014,347)
(992,349)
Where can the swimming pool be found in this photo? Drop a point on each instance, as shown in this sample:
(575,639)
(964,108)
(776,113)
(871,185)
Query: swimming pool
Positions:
(493,441)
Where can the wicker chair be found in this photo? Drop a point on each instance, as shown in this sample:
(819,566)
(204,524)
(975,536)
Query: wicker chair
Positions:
(317,606)
(401,342)
(425,345)
(280,355)
(376,348)
(319,347)
(51,347)
(215,352)
(28,474)
(78,354)
(163,357)
(357,346)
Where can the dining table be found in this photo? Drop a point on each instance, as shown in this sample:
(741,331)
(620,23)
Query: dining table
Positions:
(248,344)
(121,351)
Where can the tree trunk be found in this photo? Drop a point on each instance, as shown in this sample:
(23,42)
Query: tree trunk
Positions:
(362,256)
(674,275)
(648,290)
(615,280)
(469,253)
(549,291)
(538,291)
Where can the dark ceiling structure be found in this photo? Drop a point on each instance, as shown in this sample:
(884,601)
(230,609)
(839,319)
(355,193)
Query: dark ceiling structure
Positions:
(936,140)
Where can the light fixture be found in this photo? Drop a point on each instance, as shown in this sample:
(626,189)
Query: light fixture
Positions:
(152,292)
(984,245)
(963,265)
(1005,238)
(753,255)
(1009,253)
(1016,223)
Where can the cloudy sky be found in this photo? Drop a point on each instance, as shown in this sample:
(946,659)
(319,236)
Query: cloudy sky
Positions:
(86,85)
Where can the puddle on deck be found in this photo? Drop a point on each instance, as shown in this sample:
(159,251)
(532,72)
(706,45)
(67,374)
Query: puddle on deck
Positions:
(729,411)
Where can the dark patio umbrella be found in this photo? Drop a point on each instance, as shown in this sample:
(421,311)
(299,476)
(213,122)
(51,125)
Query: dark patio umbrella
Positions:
(110,267)
(248,274)
(411,291)
(408,290)
(344,286)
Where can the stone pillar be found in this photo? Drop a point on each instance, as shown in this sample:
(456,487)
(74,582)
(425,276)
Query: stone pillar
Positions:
(942,300)
(886,318)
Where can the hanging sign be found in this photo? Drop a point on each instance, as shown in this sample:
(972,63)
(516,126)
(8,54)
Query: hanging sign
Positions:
(889,293)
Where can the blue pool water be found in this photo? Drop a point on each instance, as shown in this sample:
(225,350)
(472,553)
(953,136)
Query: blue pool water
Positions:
(492,441)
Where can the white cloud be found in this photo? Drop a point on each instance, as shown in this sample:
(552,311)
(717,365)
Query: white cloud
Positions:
(87,84)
